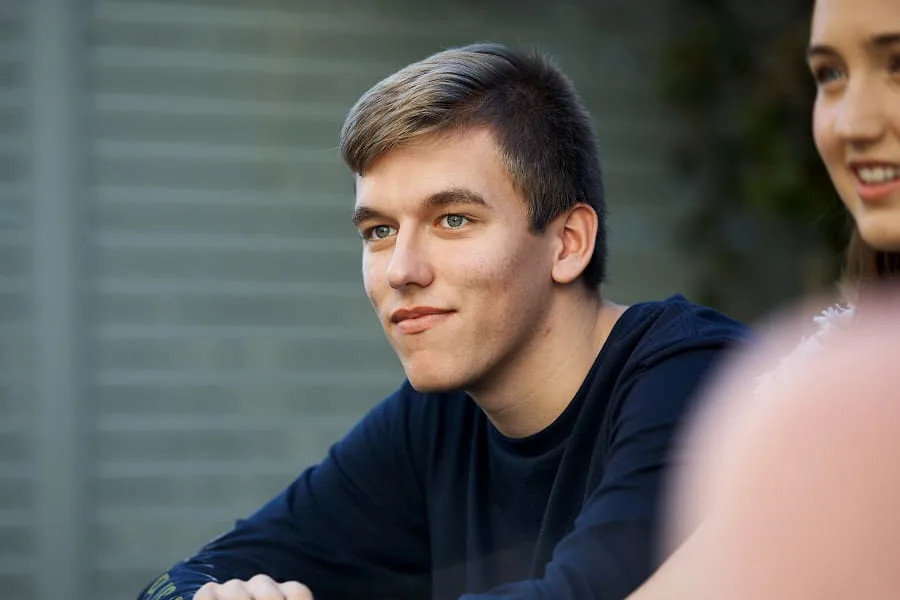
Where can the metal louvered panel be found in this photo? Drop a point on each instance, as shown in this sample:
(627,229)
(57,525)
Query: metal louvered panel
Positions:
(18,550)
(56,120)
(232,340)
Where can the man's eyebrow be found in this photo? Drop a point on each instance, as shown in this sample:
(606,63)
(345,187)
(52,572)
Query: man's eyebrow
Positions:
(448,197)
(457,195)
(364,213)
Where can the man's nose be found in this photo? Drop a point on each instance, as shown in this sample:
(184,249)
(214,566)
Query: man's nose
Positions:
(409,263)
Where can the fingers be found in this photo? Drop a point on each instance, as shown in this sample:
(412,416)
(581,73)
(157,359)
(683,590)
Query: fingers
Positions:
(259,587)
(237,590)
(207,592)
(233,589)
(295,591)
(262,587)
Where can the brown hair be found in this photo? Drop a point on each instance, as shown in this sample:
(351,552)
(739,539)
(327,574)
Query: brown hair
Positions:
(865,266)
(543,131)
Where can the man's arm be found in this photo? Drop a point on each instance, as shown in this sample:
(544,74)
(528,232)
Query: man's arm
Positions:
(614,545)
(351,526)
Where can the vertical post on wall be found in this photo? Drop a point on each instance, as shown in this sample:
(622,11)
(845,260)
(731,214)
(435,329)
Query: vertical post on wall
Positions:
(57,69)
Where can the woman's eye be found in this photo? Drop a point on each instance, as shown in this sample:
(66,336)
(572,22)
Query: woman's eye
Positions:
(455,221)
(894,63)
(824,75)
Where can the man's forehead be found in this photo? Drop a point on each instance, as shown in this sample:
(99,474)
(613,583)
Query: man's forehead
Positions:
(428,172)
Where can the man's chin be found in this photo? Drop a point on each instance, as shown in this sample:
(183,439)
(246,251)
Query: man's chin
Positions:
(432,385)
(430,380)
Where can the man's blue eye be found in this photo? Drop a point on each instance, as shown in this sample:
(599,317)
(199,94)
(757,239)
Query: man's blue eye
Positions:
(379,232)
(455,221)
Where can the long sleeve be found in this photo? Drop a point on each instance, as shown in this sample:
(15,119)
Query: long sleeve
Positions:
(613,546)
(353,526)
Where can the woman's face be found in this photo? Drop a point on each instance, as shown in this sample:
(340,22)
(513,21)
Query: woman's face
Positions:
(854,55)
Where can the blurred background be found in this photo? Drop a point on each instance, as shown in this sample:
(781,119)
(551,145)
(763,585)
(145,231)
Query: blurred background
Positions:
(182,321)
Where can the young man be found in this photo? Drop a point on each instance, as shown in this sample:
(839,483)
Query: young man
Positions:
(524,456)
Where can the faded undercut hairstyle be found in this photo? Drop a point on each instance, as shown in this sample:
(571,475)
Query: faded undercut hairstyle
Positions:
(543,130)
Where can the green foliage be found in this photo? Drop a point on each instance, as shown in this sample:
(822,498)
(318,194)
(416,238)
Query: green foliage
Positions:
(743,93)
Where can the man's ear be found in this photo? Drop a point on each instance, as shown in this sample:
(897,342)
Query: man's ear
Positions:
(576,232)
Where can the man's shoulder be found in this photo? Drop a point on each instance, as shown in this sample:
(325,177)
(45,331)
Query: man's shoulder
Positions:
(661,328)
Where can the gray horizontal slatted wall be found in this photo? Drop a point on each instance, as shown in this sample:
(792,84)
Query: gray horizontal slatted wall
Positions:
(234,342)
(17,426)
(227,338)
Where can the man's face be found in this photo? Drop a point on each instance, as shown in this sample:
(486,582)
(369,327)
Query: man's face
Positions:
(459,283)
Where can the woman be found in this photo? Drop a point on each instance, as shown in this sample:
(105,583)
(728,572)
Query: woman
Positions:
(792,488)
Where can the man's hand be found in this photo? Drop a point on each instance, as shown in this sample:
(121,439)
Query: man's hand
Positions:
(260,587)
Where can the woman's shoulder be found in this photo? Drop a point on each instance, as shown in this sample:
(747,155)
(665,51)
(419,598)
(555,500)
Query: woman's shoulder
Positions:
(831,319)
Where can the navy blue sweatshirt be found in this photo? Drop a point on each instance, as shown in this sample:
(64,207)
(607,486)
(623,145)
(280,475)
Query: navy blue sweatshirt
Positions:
(424,498)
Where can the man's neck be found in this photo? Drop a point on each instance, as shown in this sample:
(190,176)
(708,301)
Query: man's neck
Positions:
(528,395)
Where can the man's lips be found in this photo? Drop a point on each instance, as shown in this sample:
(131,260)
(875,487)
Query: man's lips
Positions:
(419,318)
(403,314)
